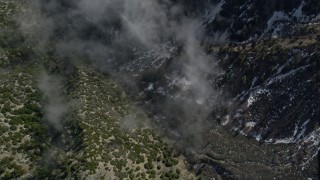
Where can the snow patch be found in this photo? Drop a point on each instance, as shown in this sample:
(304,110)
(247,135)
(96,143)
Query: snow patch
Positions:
(250,124)
(277,16)
(296,137)
(298,12)
(288,74)
(150,87)
(254,96)
(253,82)
(303,130)
(258,137)
(313,138)
(227,120)
(301,17)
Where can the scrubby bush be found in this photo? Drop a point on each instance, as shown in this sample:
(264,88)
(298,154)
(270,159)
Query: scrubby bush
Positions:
(148,165)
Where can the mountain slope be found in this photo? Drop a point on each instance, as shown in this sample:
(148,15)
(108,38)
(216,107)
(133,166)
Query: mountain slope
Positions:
(177,89)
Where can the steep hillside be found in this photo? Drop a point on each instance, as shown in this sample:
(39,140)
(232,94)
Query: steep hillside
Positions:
(250,19)
(60,119)
(23,138)
(272,91)
(177,89)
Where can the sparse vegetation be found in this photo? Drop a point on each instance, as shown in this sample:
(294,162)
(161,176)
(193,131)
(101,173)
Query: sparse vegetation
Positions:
(122,149)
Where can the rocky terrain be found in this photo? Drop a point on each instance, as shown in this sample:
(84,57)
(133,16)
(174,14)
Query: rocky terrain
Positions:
(177,89)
